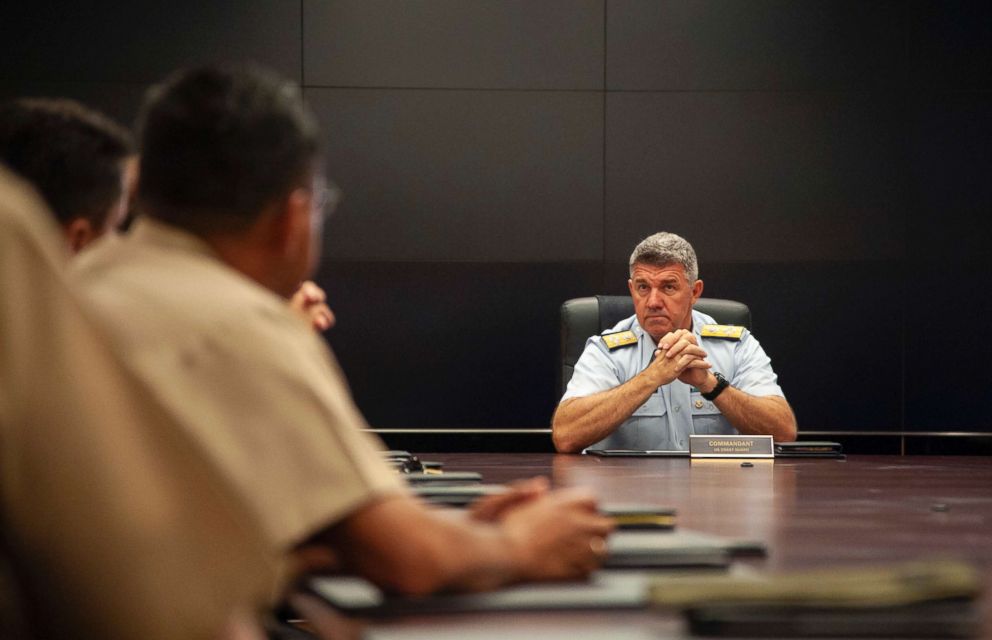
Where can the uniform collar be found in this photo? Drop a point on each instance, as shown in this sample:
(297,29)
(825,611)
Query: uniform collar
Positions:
(698,320)
(635,326)
(155,234)
(645,345)
(160,234)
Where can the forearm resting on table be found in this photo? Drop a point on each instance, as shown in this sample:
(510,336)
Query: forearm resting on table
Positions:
(758,415)
(405,547)
(579,422)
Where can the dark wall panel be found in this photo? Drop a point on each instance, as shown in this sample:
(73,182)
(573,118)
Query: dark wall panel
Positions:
(949,262)
(464,175)
(756,45)
(834,332)
(828,158)
(950,45)
(142,41)
(513,44)
(948,306)
(950,175)
(121,101)
(757,176)
(451,345)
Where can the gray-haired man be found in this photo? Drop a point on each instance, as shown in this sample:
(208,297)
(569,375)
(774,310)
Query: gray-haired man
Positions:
(657,377)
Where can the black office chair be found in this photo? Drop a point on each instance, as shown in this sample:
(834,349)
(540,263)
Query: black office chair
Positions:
(584,317)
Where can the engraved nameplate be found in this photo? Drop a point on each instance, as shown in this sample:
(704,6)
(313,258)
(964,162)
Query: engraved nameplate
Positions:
(731,447)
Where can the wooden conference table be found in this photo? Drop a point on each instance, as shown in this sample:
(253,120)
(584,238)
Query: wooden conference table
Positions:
(811,513)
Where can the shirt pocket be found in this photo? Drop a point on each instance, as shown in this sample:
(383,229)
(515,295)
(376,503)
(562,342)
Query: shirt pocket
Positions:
(654,406)
(647,427)
(706,418)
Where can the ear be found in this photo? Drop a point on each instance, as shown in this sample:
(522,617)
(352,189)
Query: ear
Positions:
(630,287)
(697,290)
(79,233)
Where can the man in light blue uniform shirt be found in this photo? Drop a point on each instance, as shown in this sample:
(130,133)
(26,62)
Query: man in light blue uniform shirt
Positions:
(669,371)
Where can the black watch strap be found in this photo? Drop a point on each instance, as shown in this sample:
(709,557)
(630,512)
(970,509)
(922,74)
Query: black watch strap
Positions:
(721,384)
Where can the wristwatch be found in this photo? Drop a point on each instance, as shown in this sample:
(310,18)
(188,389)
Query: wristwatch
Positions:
(721,384)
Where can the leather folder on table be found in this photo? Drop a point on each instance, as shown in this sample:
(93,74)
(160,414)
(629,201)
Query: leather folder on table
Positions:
(933,620)
(918,599)
(674,549)
(603,590)
(634,517)
(445,478)
(637,453)
(456,495)
(449,629)
(809,449)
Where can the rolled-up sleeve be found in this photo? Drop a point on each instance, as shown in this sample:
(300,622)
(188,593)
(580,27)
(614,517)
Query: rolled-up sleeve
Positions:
(594,372)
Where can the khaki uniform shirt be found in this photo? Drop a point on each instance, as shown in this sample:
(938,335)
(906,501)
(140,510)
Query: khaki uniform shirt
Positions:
(116,523)
(247,379)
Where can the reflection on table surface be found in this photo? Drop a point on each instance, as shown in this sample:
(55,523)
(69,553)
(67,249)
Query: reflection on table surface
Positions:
(810,513)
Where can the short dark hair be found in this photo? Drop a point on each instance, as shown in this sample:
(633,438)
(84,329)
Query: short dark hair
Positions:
(74,156)
(220,144)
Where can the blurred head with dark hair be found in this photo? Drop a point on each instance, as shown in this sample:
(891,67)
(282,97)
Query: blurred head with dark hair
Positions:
(232,155)
(77,158)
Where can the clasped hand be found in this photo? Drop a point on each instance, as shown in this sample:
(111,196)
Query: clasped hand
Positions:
(679,356)
(554,534)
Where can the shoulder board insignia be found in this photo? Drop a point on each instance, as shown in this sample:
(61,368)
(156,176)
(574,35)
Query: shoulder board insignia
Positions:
(721,331)
(620,339)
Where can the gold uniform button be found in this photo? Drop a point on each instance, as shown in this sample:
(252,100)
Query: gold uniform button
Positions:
(699,404)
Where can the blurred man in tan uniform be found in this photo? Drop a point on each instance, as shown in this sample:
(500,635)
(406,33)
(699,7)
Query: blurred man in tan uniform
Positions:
(83,165)
(116,523)
(233,203)
(80,161)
